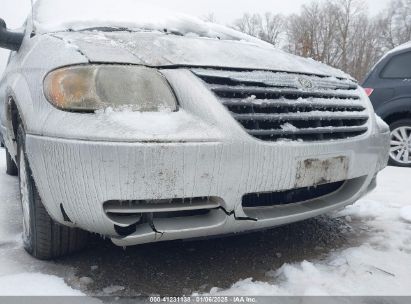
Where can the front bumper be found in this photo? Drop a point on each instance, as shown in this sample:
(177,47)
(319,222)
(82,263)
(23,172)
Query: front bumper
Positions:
(81,175)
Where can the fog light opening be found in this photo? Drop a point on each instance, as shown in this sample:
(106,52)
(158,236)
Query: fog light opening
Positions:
(125,231)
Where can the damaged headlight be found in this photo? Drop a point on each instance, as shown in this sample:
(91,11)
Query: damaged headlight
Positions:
(90,88)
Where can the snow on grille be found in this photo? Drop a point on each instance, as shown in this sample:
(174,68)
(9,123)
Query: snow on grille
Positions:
(274,106)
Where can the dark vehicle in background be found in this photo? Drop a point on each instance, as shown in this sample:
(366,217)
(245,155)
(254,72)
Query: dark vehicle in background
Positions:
(389,87)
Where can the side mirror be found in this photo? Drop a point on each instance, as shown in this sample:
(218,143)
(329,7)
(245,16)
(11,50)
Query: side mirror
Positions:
(9,39)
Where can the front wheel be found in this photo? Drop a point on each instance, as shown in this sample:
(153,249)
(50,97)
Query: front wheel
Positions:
(43,238)
(400,150)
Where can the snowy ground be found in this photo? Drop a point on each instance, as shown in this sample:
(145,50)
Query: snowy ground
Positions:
(380,265)
(362,250)
(19,273)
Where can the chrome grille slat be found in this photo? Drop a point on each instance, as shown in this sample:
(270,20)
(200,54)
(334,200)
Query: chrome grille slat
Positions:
(301,116)
(237,81)
(313,103)
(241,91)
(275,106)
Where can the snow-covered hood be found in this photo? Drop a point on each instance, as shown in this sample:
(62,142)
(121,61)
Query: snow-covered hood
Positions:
(158,49)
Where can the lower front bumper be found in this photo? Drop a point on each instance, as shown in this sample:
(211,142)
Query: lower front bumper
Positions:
(80,176)
(219,222)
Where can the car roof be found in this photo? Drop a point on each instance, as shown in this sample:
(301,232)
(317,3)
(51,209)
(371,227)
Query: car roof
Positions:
(403,47)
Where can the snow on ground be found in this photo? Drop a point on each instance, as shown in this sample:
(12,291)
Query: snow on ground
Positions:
(380,266)
(19,273)
(35,284)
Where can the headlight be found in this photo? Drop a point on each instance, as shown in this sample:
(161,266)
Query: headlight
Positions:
(90,88)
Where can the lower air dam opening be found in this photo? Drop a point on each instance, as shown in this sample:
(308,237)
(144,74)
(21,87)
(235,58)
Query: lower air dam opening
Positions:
(282,198)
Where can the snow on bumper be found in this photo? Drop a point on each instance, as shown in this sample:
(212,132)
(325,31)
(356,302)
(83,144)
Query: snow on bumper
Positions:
(81,176)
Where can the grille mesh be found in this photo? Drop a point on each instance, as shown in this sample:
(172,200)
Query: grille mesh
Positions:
(283,106)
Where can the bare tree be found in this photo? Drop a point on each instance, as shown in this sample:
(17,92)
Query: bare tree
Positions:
(395,23)
(250,24)
(210,17)
(268,27)
(365,48)
(337,32)
(272,27)
(312,33)
(348,13)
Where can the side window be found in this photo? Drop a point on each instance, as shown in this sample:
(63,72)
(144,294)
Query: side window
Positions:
(399,67)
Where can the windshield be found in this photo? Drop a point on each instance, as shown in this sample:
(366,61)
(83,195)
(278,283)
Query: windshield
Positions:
(132,15)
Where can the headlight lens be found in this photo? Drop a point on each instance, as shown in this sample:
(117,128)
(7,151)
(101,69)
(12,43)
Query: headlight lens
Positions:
(90,88)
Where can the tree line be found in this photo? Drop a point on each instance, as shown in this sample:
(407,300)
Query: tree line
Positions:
(339,33)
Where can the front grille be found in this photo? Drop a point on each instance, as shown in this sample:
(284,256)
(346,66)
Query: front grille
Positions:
(274,106)
(270,199)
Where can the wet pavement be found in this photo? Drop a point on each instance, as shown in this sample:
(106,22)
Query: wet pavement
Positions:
(184,267)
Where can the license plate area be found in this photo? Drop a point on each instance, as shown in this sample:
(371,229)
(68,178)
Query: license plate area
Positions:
(315,171)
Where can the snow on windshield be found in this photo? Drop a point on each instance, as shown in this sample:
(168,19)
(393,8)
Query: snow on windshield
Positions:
(63,15)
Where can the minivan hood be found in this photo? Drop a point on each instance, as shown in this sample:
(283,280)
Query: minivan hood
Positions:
(156,49)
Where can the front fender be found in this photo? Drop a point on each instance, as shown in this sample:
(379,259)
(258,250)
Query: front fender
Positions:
(23,82)
(16,88)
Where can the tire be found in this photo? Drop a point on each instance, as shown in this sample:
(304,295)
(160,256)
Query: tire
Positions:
(400,152)
(11,168)
(43,238)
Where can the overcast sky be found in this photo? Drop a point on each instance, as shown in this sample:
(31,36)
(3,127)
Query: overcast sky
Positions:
(226,11)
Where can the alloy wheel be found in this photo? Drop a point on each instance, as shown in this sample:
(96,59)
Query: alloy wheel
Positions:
(400,150)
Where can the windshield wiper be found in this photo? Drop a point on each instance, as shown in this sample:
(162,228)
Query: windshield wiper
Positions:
(173,32)
(121,29)
(106,29)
